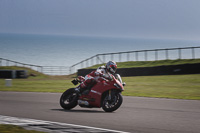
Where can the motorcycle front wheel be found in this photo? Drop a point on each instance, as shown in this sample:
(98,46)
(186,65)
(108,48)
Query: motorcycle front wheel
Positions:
(113,104)
(69,99)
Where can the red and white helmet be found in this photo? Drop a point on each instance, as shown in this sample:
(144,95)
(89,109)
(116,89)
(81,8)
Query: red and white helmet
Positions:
(111,67)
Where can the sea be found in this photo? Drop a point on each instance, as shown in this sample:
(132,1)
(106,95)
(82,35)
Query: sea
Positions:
(67,50)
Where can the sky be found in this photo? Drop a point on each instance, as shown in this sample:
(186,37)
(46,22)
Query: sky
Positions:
(169,19)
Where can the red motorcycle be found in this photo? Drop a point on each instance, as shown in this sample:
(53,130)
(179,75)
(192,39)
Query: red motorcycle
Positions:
(105,93)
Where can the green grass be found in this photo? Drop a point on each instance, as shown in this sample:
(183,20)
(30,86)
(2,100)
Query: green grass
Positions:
(15,129)
(172,86)
(166,86)
(37,85)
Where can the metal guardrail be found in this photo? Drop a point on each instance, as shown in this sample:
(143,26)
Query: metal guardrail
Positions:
(6,62)
(140,55)
(55,70)
(49,70)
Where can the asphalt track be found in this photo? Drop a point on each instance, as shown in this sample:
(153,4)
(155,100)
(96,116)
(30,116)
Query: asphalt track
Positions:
(136,115)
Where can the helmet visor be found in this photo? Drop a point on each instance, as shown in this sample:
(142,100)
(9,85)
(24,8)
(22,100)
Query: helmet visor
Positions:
(113,68)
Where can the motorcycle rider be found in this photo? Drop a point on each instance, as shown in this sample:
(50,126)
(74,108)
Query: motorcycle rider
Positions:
(91,78)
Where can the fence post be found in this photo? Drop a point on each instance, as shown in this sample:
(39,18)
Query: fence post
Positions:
(82,64)
(166,53)
(70,69)
(97,61)
(0,61)
(128,56)
(193,53)
(156,54)
(119,57)
(91,61)
(104,58)
(111,56)
(179,52)
(37,68)
(7,63)
(136,55)
(145,54)
(41,69)
(85,62)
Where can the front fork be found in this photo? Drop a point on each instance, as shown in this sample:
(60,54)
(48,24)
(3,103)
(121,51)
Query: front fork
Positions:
(110,95)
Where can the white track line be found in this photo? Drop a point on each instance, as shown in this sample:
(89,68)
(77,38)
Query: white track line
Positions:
(25,121)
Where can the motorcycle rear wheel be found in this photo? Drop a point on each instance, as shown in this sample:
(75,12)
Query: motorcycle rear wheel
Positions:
(69,99)
(114,104)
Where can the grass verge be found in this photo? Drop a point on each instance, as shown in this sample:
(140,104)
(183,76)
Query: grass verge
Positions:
(15,129)
(171,86)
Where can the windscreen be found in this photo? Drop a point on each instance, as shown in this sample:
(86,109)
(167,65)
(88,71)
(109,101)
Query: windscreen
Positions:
(118,77)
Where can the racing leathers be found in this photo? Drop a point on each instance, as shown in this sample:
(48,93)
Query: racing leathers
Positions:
(93,77)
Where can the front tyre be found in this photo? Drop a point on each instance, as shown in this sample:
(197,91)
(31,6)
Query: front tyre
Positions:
(113,104)
(68,100)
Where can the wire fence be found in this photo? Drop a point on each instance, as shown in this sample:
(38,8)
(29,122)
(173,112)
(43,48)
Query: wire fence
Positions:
(140,55)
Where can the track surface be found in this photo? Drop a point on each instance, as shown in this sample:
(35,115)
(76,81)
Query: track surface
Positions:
(137,114)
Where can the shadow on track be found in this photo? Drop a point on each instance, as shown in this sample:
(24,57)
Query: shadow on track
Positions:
(78,111)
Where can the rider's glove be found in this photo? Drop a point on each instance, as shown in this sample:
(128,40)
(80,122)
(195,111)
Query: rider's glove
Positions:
(81,78)
(106,76)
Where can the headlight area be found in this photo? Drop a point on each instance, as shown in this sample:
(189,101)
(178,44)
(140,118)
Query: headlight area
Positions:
(118,86)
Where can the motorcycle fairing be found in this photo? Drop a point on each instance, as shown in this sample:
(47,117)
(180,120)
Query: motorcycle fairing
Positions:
(95,95)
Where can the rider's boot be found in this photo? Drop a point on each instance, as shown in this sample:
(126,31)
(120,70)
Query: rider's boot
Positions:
(80,88)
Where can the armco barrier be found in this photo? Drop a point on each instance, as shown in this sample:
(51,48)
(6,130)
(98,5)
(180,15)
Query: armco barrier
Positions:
(149,71)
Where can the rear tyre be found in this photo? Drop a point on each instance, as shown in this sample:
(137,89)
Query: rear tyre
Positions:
(69,98)
(113,104)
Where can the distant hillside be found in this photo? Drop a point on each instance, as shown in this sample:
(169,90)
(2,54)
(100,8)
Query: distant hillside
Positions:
(30,71)
(36,74)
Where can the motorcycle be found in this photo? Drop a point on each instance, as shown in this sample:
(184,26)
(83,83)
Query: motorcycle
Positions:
(105,94)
